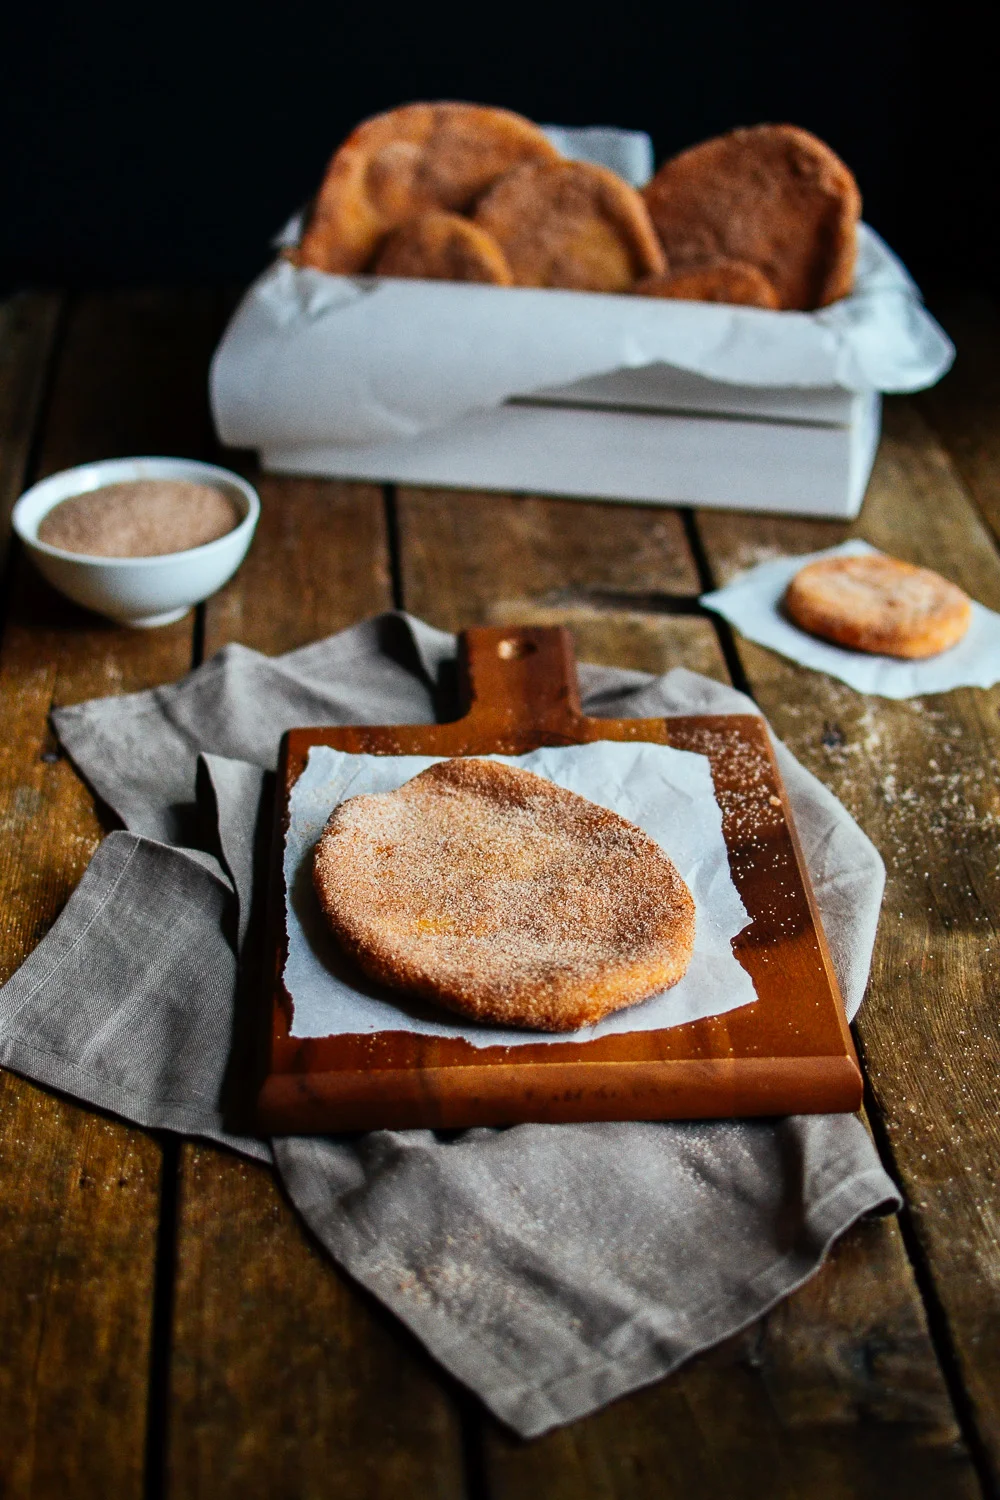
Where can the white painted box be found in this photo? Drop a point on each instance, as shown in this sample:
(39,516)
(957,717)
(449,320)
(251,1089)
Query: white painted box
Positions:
(575,393)
(657,436)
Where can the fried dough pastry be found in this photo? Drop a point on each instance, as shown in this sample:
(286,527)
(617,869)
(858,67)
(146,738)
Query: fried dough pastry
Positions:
(571,224)
(399,164)
(733,281)
(877,603)
(772,195)
(443,247)
(499,895)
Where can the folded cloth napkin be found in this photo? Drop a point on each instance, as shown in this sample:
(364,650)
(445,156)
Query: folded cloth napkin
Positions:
(551,1268)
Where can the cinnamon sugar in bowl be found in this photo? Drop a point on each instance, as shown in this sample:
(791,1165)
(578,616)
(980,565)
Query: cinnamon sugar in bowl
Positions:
(138,539)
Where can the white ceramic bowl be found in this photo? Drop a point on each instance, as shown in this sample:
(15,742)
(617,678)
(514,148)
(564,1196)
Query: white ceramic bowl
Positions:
(142,591)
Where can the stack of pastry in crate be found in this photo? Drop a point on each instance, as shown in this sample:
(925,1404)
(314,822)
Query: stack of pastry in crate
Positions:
(766,217)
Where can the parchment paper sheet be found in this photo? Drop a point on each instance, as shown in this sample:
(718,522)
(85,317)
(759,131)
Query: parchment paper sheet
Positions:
(667,792)
(752,602)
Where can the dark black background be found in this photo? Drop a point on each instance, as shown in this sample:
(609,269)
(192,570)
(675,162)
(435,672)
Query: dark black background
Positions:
(154,144)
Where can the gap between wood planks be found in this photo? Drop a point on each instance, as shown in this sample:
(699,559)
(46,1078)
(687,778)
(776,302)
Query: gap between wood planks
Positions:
(158,1390)
(165,1268)
(602,599)
(391,508)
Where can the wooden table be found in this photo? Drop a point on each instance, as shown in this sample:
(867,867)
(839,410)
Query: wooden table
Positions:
(167,1328)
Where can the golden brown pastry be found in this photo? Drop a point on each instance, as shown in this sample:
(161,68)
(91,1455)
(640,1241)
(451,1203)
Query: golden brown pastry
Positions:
(399,164)
(570,224)
(773,195)
(877,603)
(440,246)
(499,895)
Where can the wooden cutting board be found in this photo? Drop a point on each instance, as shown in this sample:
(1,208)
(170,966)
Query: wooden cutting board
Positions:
(791,1052)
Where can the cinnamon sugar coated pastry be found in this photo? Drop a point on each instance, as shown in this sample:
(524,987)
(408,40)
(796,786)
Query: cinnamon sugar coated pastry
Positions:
(440,246)
(772,195)
(571,224)
(499,895)
(733,281)
(400,164)
(877,603)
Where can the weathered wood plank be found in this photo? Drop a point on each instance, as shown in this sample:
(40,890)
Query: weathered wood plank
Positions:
(27,330)
(318,563)
(464,554)
(630,638)
(836,1393)
(808,1402)
(79,1194)
(965,407)
(286,1379)
(921,778)
(78,1206)
(142,386)
(284,1375)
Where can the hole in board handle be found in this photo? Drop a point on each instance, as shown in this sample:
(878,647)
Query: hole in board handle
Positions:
(513,650)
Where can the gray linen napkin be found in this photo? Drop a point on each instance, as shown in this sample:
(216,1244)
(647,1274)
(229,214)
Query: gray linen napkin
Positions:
(550,1268)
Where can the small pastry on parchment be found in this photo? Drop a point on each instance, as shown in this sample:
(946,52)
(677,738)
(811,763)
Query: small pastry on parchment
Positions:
(876,603)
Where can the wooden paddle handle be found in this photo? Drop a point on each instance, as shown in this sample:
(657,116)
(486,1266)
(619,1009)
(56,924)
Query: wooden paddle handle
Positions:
(520,678)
